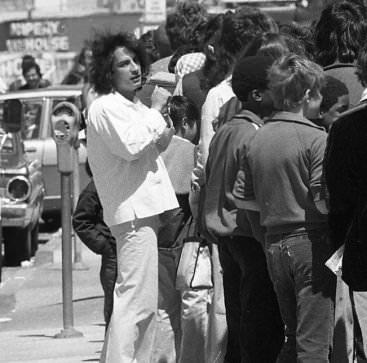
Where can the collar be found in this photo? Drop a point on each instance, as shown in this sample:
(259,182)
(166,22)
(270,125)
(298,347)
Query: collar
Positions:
(134,103)
(181,138)
(364,95)
(249,116)
(339,65)
(285,116)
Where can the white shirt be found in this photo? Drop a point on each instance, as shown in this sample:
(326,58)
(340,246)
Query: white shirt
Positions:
(129,174)
(215,99)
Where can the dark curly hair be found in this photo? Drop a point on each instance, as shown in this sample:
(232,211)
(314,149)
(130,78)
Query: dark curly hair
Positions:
(186,23)
(303,33)
(181,107)
(362,66)
(273,45)
(103,48)
(340,32)
(28,64)
(237,30)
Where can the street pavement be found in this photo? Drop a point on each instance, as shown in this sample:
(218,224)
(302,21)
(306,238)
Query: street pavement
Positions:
(31,310)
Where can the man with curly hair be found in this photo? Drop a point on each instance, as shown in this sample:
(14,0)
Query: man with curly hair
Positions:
(125,139)
(339,35)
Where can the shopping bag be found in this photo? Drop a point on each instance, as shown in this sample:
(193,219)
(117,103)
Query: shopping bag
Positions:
(194,269)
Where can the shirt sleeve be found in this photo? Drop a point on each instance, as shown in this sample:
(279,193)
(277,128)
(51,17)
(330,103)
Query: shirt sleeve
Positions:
(243,186)
(209,112)
(316,167)
(128,135)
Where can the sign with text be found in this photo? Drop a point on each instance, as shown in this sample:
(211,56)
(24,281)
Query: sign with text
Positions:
(37,36)
(155,11)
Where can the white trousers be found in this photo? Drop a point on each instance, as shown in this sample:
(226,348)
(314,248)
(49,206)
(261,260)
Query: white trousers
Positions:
(131,333)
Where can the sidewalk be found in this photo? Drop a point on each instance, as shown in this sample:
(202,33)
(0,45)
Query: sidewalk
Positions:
(31,310)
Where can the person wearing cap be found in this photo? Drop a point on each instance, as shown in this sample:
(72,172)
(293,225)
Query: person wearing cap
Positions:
(283,182)
(255,328)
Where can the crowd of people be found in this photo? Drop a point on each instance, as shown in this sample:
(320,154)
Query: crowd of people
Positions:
(244,138)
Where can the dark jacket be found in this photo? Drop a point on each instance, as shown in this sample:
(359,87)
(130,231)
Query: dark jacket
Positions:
(88,222)
(345,166)
(220,214)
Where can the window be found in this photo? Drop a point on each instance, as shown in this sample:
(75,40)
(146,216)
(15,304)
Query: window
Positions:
(32,110)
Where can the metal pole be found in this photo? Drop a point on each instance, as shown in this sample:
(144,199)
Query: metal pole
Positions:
(78,264)
(1,242)
(2,141)
(67,272)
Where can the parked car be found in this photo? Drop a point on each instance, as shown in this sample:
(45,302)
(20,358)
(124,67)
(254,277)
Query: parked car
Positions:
(21,197)
(38,141)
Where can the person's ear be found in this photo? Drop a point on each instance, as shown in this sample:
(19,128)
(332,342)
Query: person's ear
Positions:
(256,95)
(307,95)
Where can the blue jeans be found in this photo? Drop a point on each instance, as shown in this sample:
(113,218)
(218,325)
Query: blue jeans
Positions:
(306,293)
(255,328)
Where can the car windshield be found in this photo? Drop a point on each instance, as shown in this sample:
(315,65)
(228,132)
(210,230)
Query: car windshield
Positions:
(31,118)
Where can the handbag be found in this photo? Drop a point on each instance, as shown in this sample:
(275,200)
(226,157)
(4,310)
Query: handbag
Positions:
(194,270)
(354,264)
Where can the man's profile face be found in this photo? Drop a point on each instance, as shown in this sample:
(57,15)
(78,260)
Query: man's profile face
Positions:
(32,78)
(336,109)
(126,72)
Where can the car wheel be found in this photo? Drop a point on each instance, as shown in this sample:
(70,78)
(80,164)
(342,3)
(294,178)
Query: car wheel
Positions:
(34,239)
(17,243)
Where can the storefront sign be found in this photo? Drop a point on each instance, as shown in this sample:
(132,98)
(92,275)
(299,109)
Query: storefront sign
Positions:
(37,36)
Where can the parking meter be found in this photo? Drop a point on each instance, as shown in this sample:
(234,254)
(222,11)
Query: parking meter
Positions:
(65,121)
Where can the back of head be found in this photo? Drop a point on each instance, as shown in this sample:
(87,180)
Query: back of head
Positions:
(238,30)
(147,41)
(241,27)
(161,41)
(181,110)
(331,91)
(183,24)
(302,34)
(274,45)
(250,73)
(290,77)
(340,32)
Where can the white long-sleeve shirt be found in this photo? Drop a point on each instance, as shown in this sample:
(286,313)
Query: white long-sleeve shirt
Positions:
(216,98)
(129,174)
